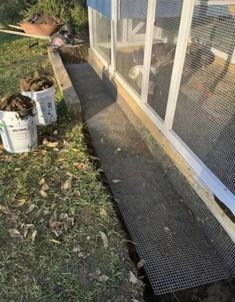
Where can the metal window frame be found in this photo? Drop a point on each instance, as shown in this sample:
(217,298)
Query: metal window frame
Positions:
(91,26)
(181,49)
(114,20)
(201,172)
(148,49)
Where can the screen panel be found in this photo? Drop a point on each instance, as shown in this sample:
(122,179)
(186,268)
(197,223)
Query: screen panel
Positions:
(131,42)
(166,29)
(205,111)
(102,35)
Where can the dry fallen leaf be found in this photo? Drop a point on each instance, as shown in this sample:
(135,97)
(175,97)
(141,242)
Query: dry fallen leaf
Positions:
(43,194)
(30,209)
(4,210)
(68,223)
(26,228)
(41,182)
(34,235)
(140,264)
(44,187)
(24,155)
(103,213)
(118,150)
(49,144)
(52,219)
(77,193)
(103,278)
(81,166)
(82,255)
(14,233)
(105,239)
(98,272)
(116,181)
(76,249)
(52,144)
(67,185)
(21,202)
(56,228)
(55,241)
(132,278)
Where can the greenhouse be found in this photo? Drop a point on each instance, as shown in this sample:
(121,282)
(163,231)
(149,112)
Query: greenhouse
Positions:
(175,60)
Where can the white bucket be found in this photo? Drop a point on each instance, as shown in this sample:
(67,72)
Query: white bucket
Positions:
(18,134)
(45,105)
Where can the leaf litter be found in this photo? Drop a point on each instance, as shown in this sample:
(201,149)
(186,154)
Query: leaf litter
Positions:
(104,239)
(4,210)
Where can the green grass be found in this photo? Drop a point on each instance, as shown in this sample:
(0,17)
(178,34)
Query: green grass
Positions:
(60,264)
(18,61)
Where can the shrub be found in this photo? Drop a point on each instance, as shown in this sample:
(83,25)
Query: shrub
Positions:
(71,11)
(10,11)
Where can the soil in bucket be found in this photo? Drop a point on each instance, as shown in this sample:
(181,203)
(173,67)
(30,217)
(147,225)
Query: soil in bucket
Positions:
(41,89)
(36,83)
(21,104)
(18,127)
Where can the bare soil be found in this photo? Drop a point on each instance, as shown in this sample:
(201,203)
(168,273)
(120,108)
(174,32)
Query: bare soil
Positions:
(75,54)
(36,83)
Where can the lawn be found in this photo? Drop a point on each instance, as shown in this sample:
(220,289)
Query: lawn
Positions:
(59,235)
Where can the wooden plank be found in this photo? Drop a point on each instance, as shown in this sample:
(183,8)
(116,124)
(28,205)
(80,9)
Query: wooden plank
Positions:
(16,27)
(11,32)
(70,96)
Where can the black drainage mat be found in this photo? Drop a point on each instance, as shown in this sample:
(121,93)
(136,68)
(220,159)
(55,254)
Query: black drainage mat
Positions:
(176,251)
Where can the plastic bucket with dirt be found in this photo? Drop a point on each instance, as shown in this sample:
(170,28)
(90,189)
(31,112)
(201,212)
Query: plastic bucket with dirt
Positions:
(45,105)
(18,128)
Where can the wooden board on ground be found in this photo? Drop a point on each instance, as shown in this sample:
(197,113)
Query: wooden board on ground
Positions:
(18,33)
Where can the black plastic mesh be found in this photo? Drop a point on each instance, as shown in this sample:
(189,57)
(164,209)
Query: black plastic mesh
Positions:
(180,241)
(205,112)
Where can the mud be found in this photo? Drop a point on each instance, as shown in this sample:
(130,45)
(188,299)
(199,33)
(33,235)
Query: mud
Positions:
(17,103)
(36,83)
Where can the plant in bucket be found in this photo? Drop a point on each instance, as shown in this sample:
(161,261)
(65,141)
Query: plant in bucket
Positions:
(41,89)
(18,127)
